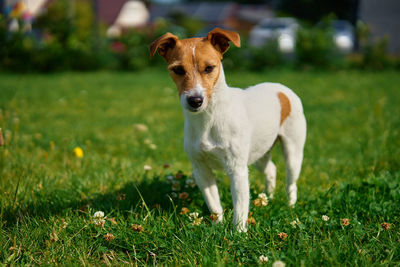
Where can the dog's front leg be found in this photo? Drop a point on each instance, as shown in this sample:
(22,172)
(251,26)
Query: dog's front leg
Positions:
(240,195)
(205,180)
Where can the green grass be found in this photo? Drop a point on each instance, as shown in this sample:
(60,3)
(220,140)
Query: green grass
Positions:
(48,196)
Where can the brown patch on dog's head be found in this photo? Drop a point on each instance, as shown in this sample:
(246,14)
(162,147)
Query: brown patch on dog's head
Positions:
(285,106)
(195,62)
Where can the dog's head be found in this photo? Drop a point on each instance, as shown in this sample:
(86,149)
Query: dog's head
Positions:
(194,64)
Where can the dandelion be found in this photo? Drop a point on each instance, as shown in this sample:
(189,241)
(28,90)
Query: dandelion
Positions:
(385,226)
(176,186)
(263,259)
(344,222)
(278,264)
(190,182)
(262,200)
(78,152)
(282,235)
(183,195)
(52,145)
(141,127)
(109,237)
(99,219)
(184,210)
(137,228)
(147,167)
(325,218)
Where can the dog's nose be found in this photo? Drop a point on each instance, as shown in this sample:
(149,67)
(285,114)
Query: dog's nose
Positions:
(195,101)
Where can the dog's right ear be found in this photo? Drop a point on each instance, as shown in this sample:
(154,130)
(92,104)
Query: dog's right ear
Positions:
(162,44)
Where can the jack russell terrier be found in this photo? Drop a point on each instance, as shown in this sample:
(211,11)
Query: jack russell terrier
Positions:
(229,128)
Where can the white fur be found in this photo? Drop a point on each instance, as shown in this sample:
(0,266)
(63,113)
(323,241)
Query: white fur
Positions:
(238,128)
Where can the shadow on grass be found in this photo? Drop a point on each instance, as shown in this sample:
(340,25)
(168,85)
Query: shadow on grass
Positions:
(155,192)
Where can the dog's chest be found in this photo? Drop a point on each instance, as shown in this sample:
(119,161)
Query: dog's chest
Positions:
(210,148)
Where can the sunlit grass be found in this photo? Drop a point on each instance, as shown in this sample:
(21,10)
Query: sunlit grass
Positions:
(129,127)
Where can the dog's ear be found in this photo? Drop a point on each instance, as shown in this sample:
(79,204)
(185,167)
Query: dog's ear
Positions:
(165,42)
(220,38)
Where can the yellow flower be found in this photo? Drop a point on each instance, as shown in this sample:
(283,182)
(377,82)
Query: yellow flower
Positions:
(78,152)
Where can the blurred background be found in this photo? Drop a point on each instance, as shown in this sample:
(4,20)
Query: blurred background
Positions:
(58,35)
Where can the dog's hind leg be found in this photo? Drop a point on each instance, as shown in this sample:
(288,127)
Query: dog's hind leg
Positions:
(293,138)
(205,180)
(268,168)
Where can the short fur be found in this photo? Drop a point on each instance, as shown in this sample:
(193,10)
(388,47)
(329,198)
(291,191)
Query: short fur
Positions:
(232,128)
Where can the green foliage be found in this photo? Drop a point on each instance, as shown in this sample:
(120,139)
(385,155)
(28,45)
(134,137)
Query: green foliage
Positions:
(48,195)
(315,48)
(254,58)
(373,53)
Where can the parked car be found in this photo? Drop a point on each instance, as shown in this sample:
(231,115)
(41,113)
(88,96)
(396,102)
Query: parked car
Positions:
(283,30)
(343,35)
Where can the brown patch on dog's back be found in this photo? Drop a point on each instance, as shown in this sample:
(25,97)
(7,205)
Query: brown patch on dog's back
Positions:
(285,106)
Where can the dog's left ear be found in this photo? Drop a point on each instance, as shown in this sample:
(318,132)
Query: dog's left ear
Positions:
(220,38)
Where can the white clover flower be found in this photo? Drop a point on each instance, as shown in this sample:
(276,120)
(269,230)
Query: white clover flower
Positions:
(263,259)
(99,218)
(170,178)
(278,264)
(190,182)
(195,219)
(141,127)
(295,222)
(325,218)
(262,200)
(147,167)
(174,195)
(193,215)
(152,146)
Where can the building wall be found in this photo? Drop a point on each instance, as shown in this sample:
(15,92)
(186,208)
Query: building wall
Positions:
(383,18)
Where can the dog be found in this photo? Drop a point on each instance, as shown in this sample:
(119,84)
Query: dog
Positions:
(229,128)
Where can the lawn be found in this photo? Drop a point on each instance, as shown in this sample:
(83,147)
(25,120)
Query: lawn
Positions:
(129,127)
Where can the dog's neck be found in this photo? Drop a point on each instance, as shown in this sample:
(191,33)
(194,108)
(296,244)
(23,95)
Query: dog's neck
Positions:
(215,108)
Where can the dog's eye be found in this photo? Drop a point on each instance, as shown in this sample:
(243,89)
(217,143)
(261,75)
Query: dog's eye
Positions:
(179,70)
(208,69)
